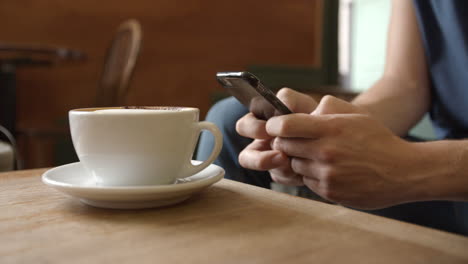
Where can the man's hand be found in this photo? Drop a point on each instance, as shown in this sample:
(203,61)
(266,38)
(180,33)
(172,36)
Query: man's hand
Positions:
(259,155)
(345,155)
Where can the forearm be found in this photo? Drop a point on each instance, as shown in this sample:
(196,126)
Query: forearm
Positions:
(399,105)
(439,171)
(401,97)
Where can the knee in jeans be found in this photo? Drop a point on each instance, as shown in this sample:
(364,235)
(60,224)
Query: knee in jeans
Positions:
(225,114)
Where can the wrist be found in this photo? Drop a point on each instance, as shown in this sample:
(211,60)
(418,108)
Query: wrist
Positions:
(438,171)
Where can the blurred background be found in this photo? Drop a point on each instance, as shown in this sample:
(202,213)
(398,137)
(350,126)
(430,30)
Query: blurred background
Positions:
(58,55)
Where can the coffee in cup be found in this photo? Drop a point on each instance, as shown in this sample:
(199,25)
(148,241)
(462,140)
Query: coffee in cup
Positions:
(131,146)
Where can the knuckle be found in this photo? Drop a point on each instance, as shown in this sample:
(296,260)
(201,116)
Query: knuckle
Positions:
(326,105)
(286,95)
(299,166)
(296,165)
(285,92)
(328,154)
(328,177)
(328,100)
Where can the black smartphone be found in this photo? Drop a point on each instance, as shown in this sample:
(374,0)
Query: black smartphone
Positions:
(248,89)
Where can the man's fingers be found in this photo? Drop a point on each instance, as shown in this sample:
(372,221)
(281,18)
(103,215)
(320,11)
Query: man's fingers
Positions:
(312,184)
(310,171)
(297,102)
(308,168)
(252,127)
(259,145)
(296,147)
(300,125)
(319,150)
(332,105)
(286,176)
(258,156)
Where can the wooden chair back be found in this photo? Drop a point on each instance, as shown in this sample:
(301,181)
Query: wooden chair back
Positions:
(119,65)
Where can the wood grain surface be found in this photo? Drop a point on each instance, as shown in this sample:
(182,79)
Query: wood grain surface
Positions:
(227,223)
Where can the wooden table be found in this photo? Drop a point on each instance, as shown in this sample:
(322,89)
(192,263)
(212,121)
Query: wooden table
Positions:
(227,223)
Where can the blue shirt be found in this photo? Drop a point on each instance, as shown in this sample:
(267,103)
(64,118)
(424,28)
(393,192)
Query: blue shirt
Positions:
(444,31)
(444,28)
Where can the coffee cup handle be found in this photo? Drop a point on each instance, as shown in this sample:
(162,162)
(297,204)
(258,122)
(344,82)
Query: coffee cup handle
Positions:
(218,136)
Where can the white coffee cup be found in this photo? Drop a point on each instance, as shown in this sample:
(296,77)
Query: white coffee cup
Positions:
(129,147)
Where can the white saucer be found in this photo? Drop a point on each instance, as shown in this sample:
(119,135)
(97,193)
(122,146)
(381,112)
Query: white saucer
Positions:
(74,180)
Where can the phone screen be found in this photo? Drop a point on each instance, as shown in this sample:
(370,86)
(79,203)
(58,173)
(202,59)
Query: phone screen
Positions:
(261,101)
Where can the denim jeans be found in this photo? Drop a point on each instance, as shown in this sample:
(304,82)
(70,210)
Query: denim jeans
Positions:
(444,215)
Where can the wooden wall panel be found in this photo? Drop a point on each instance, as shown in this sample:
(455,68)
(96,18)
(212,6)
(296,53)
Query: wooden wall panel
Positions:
(184,44)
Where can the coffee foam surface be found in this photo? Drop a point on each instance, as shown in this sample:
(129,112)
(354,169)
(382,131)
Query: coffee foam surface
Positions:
(136,111)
